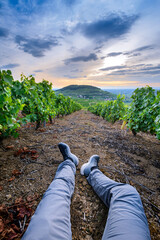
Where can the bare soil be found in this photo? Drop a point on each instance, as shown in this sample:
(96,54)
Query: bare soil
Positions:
(28,165)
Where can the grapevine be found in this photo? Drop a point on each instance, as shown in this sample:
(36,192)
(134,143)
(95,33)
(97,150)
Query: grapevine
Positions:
(144,111)
(142,115)
(110,110)
(9,107)
(37,102)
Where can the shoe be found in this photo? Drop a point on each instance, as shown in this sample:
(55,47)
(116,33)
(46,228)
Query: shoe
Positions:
(90,165)
(66,153)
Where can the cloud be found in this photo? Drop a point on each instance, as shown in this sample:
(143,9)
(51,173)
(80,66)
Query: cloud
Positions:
(150,67)
(76,70)
(35,46)
(73,77)
(157,72)
(98,47)
(70,76)
(140,69)
(90,57)
(108,28)
(4,32)
(10,65)
(112,68)
(114,54)
(143,48)
(134,53)
(132,72)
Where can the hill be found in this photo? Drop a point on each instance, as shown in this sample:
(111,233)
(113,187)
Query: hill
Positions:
(85,92)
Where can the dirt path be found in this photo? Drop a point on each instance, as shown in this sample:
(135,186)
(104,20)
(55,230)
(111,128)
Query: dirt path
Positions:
(123,157)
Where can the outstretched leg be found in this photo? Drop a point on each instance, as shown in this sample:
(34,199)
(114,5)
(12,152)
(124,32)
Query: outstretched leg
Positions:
(126,217)
(51,220)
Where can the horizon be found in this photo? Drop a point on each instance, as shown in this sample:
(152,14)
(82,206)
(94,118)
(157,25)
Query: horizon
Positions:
(103,44)
(120,88)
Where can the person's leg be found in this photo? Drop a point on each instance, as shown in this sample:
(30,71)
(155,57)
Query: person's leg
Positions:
(51,220)
(126,217)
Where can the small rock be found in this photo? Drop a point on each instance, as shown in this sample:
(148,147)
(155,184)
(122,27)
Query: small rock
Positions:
(10,147)
(88,237)
(8,196)
(84,183)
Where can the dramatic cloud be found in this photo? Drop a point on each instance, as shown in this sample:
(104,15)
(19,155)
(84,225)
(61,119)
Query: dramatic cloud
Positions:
(108,28)
(4,32)
(10,65)
(81,42)
(35,47)
(90,57)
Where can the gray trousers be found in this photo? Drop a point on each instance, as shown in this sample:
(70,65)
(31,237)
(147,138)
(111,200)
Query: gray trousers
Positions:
(126,217)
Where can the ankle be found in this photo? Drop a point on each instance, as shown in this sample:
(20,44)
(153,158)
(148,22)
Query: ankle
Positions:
(90,165)
(94,167)
(66,153)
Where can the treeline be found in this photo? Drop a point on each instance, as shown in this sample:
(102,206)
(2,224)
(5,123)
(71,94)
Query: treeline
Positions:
(143,114)
(27,101)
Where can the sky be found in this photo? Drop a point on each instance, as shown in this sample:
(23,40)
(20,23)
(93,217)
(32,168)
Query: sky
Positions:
(104,43)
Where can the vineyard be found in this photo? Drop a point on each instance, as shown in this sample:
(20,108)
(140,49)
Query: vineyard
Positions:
(36,102)
(142,115)
(124,137)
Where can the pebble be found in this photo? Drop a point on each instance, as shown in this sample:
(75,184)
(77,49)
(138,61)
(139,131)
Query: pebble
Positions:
(8,196)
(88,237)
(84,183)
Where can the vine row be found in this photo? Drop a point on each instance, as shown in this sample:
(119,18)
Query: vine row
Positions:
(27,101)
(143,114)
